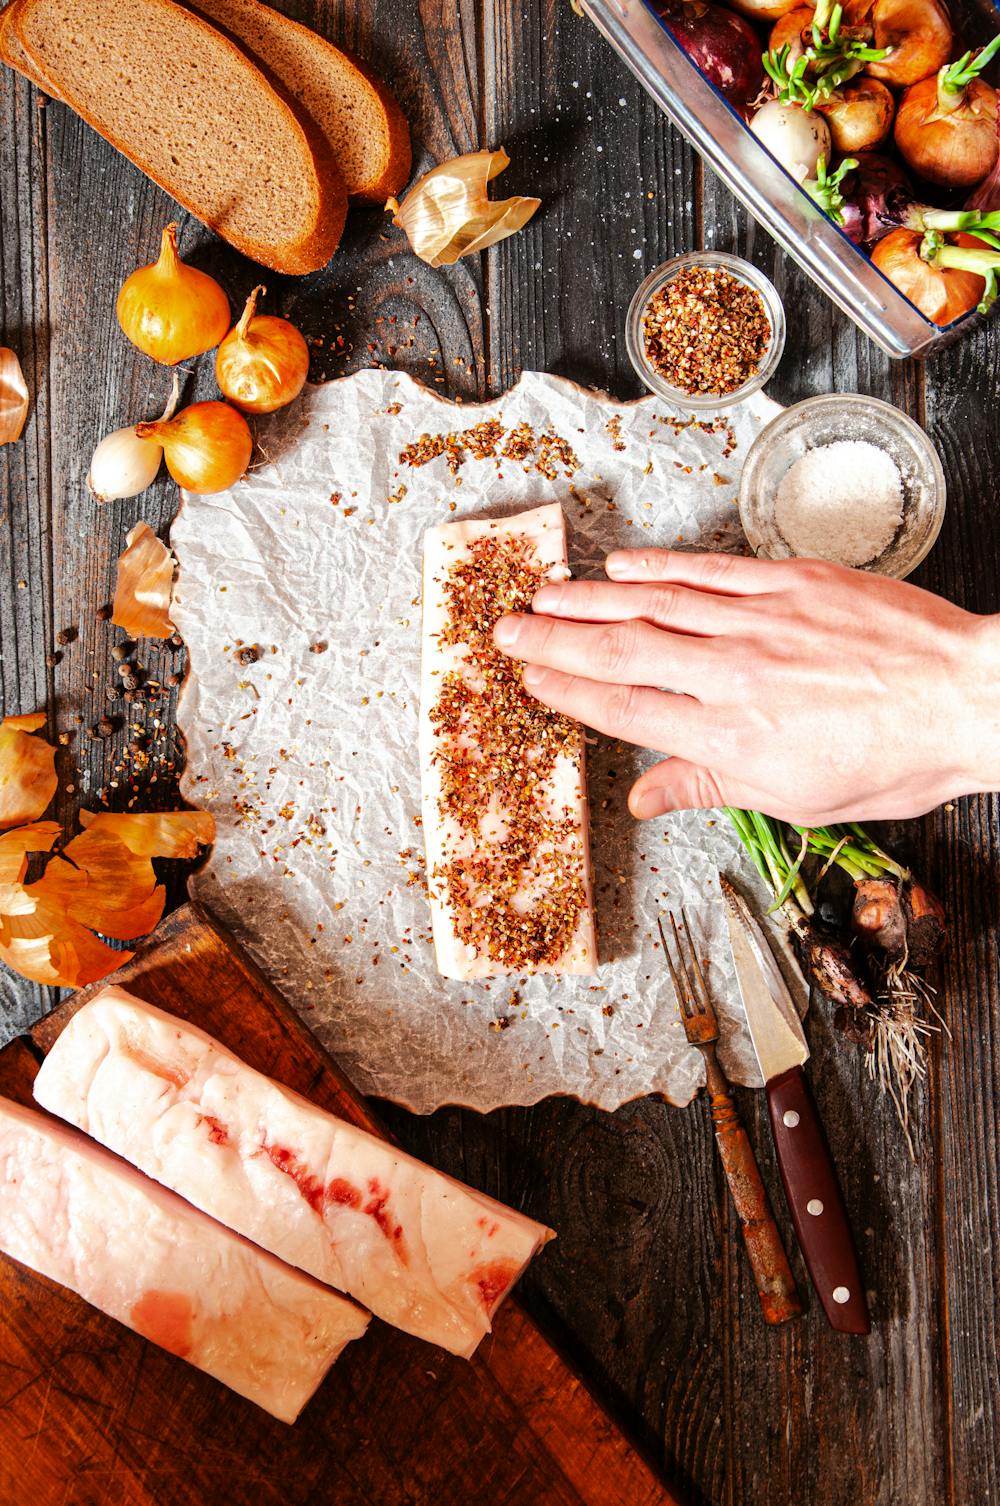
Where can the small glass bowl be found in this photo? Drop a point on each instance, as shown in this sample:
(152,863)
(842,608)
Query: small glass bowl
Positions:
(635,343)
(824,420)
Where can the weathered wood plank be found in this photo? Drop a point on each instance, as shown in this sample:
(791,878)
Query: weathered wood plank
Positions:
(962,849)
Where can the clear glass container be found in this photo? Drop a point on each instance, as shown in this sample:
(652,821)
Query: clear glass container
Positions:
(825,420)
(635,342)
(772,195)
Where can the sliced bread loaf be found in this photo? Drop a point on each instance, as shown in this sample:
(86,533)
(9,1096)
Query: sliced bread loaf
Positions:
(189,108)
(358,116)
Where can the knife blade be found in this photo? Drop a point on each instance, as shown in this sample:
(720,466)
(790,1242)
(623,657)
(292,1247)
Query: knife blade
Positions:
(804,1161)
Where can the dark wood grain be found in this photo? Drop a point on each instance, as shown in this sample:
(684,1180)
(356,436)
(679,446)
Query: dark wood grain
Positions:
(648,1283)
(402,1423)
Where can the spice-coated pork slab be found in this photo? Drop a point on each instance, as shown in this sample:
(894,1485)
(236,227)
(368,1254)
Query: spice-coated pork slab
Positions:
(504,792)
(145,1257)
(422,1251)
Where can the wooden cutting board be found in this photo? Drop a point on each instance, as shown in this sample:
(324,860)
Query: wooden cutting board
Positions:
(93,1415)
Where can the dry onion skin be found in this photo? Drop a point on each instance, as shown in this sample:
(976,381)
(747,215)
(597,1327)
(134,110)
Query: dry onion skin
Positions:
(155,834)
(447,213)
(27,770)
(142,591)
(13,397)
(102,882)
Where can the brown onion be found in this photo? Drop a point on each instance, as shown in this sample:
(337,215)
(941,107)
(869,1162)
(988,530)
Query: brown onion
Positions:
(764,10)
(859,115)
(263,362)
(207,447)
(942,294)
(956,148)
(918,34)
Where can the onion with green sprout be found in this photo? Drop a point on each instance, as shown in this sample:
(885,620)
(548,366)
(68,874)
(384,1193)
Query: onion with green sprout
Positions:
(807,67)
(946,125)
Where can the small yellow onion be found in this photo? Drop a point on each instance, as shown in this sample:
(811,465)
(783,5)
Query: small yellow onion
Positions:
(13,397)
(171,311)
(263,362)
(207,447)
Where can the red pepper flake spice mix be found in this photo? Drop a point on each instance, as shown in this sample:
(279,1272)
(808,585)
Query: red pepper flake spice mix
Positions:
(706,332)
(496,747)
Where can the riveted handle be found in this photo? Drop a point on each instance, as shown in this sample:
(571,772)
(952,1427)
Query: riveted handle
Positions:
(779,1297)
(816,1204)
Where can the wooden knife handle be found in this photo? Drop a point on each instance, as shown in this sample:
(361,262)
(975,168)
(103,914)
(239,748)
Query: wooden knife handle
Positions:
(815,1203)
(779,1297)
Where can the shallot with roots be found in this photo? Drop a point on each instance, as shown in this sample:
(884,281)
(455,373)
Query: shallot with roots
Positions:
(870,971)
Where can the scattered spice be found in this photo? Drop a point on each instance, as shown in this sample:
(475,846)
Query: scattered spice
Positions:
(706,331)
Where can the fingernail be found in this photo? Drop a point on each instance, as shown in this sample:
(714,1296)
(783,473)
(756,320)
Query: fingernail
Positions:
(506,631)
(533,675)
(615,563)
(547,599)
(648,804)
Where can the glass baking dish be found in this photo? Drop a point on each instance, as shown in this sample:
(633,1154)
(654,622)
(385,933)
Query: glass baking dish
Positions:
(771,195)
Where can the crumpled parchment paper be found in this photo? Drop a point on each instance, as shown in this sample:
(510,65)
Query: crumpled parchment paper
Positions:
(299,598)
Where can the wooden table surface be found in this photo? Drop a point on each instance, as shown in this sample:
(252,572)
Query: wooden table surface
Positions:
(647,1285)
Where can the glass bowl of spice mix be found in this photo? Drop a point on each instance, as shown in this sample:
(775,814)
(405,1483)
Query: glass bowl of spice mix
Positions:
(705,330)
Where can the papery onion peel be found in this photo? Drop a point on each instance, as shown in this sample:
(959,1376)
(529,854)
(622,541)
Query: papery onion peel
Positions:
(40,836)
(142,592)
(27,769)
(447,213)
(155,834)
(101,884)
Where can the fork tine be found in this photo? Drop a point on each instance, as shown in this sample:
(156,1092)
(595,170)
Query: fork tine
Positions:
(695,1004)
(704,995)
(683,1003)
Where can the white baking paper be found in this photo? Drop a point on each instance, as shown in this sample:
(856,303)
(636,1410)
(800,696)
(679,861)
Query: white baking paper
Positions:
(307,756)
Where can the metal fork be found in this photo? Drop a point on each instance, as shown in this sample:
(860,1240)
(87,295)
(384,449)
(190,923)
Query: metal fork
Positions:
(779,1298)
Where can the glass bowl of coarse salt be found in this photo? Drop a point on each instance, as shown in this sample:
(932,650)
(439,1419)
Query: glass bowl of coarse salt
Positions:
(844,478)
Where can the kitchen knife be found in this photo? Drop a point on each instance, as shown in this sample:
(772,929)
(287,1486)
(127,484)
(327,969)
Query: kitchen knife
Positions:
(807,1172)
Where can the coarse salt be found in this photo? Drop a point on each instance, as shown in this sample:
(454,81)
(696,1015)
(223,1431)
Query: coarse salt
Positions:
(840,502)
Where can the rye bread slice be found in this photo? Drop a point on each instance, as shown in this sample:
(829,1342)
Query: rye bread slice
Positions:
(189,108)
(14,55)
(352,108)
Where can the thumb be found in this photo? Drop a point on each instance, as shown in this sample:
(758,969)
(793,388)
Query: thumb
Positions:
(676,785)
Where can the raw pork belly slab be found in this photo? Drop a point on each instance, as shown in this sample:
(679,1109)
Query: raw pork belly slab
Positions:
(422,1251)
(504,794)
(143,1256)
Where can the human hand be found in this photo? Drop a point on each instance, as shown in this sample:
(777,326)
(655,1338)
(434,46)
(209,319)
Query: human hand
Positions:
(808,691)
